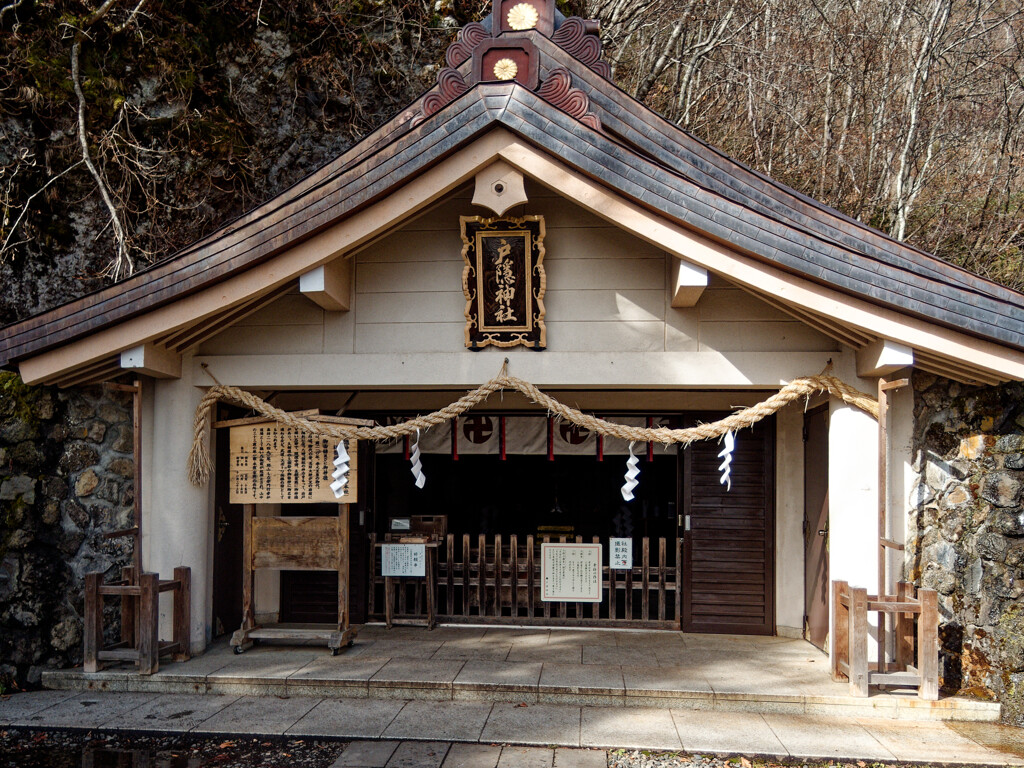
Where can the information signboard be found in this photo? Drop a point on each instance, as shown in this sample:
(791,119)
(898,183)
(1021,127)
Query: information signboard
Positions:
(570,573)
(274,464)
(403,560)
(621,554)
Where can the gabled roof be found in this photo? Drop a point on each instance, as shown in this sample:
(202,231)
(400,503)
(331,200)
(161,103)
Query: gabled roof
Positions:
(574,114)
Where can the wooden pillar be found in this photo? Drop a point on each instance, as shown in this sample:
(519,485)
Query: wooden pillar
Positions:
(248,609)
(149,623)
(343,567)
(93,622)
(129,609)
(182,613)
(928,644)
(840,629)
(858,643)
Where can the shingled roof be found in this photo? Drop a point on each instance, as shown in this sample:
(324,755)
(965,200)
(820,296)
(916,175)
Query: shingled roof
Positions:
(561,102)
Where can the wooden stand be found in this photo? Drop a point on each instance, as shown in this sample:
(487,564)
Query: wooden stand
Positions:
(295,544)
(140,617)
(850,609)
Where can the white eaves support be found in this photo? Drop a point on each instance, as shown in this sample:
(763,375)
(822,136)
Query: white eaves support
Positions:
(499,187)
(151,360)
(329,285)
(688,283)
(883,357)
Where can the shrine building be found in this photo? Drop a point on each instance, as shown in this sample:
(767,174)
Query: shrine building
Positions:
(526,218)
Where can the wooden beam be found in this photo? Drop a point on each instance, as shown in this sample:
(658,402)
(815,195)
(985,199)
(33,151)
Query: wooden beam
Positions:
(688,283)
(151,360)
(329,285)
(883,357)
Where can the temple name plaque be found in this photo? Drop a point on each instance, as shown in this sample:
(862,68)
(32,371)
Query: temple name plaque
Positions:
(621,554)
(397,560)
(275,464)
(570,573)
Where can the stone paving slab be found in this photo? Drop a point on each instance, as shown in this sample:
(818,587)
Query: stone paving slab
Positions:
(172,712)
(347,718)
(580,758)
(726,732)
(646,728)
(472,756)
(825,737)
(262,715)
(455,721)
(16,707)
(527,757)
(931,742)
(87,710)
(419,754)
(366,754)
(534,724)
(408,673)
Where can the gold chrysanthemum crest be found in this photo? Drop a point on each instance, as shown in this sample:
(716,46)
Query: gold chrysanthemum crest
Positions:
(505,69)
(522,16)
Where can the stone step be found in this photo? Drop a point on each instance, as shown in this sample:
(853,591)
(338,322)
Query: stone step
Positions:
(896,706)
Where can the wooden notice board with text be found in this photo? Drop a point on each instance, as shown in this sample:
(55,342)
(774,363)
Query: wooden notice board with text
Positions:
(275,464)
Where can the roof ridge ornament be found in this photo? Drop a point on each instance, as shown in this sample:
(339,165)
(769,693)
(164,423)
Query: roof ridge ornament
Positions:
(557,90)
(502,49)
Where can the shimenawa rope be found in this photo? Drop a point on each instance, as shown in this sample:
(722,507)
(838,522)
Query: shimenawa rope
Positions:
(804,386)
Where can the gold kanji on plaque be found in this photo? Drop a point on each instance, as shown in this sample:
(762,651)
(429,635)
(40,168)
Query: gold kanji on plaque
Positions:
(504,281)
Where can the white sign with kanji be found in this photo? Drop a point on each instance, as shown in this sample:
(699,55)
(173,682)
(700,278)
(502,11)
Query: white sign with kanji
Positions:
(403,560)
(621,553)
(570,573)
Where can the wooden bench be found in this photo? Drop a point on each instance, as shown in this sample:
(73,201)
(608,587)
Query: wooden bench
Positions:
(850,608)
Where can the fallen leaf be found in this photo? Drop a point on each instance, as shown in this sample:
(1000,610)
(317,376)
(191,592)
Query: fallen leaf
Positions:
(745,763)
(225,745)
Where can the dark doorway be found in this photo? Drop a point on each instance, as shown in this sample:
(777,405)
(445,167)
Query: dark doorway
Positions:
(816,526)
(729,542)
(227,545)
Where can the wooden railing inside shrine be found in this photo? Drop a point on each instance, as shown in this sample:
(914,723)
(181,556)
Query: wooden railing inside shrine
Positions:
(497,580)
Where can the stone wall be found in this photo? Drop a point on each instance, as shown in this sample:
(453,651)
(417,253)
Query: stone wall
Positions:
(966,532)
(66,478)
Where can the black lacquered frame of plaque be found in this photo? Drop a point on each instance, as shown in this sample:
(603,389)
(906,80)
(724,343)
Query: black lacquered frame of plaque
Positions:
(504,281)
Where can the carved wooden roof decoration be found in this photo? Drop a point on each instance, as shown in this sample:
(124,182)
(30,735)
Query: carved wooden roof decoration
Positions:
(496,50)
(559,102)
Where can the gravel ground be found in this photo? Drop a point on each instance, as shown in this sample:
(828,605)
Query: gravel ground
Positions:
(73,749)
(637,758)
(66,749)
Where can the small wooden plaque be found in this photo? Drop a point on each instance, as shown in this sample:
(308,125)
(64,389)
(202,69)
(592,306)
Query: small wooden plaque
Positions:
(274,464)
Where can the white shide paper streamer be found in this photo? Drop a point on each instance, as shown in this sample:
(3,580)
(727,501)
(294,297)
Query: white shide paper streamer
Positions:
(631,474)
(417,466)
(340,471)
(729,442)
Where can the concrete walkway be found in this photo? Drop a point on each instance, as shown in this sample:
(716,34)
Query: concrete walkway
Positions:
(462,733)
(594,668)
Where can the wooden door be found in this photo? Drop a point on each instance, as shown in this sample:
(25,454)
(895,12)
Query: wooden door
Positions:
(816,526)
(729,535)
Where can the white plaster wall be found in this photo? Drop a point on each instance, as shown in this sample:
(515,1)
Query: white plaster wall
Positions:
(902,477)
(177,524)
(789,515)
(853,490)
(606,294)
